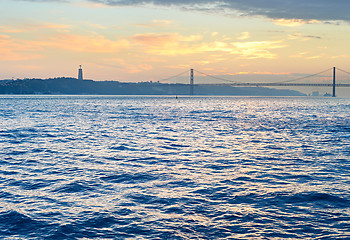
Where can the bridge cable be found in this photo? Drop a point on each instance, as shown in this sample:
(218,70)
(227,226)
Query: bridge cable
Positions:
(222,79)
(346,78)
(301,78)
(291,80)
(343,71)
(166,79)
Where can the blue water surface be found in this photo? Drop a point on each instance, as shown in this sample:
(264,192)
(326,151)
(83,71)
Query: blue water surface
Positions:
(117,167)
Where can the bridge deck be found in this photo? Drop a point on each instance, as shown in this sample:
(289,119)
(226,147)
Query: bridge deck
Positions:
(281,84)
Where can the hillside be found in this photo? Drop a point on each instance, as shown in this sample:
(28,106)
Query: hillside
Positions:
(89,87)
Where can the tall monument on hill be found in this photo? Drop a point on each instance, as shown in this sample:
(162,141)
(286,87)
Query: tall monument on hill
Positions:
(80,73)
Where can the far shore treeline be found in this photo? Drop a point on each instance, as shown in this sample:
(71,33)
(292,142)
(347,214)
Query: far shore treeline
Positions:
(74,86)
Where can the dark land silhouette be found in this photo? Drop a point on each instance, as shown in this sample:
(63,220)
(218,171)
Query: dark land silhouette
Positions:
(65,85)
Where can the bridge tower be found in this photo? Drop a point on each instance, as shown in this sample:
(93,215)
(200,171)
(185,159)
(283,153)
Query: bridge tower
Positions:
(333,81)
(80,73)
(191,83)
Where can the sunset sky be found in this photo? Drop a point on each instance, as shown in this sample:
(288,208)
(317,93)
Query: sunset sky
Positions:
(141,40)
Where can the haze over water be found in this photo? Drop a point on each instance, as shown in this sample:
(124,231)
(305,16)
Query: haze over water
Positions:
(75,167)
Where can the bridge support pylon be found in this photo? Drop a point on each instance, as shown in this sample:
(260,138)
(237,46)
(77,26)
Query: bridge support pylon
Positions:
(333,82)
(191,83)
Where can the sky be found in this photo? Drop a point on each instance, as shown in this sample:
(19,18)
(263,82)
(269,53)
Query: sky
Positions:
(151,40)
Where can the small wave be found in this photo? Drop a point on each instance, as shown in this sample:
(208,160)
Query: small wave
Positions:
(168,147)
(148,160)
(202,150)
(273,147)
(219,166)
(113,159)
(32,184)
(298,177)
(21,133)
(5,195)
(183,183)
(13,223)
(37,150)
(166,139)
(129,178)
(179,145)
(317,197)
(74,187)
(101,224)
(323,200)
(122,148)
(142,198)
(160,202)
(17,152)
(220,146)
(169,129)
(4,172)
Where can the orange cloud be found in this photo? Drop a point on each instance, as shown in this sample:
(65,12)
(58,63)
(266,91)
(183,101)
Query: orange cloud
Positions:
(244,36)
(259,49)
(18,50)
(293,22)
(164,39)
(170,44)
(94,44)
(30,27)
(50,26)
(340,56)
(155,39)
(6,29)
(247,50)
(174,44)
(306,55)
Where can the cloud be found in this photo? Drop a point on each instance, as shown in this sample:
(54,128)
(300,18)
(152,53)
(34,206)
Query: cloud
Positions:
(293,22)
(307,55)
(244,36)
(18,50)
(154,23)
(174,44)
(164,38)
(322,10)
(171,44)
(253,50)
(92,44)
(301,37)
(6,29)
(32,27)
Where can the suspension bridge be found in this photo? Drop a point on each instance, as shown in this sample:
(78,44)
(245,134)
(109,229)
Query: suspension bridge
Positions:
(319,80)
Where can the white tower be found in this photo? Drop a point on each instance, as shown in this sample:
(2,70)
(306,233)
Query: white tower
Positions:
(80,73)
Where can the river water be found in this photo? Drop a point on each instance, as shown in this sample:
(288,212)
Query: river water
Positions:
(118,167)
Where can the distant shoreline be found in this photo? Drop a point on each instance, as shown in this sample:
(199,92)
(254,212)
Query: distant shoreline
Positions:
(73,86)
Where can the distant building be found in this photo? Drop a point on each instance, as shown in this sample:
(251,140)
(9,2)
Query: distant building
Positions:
(80,73)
